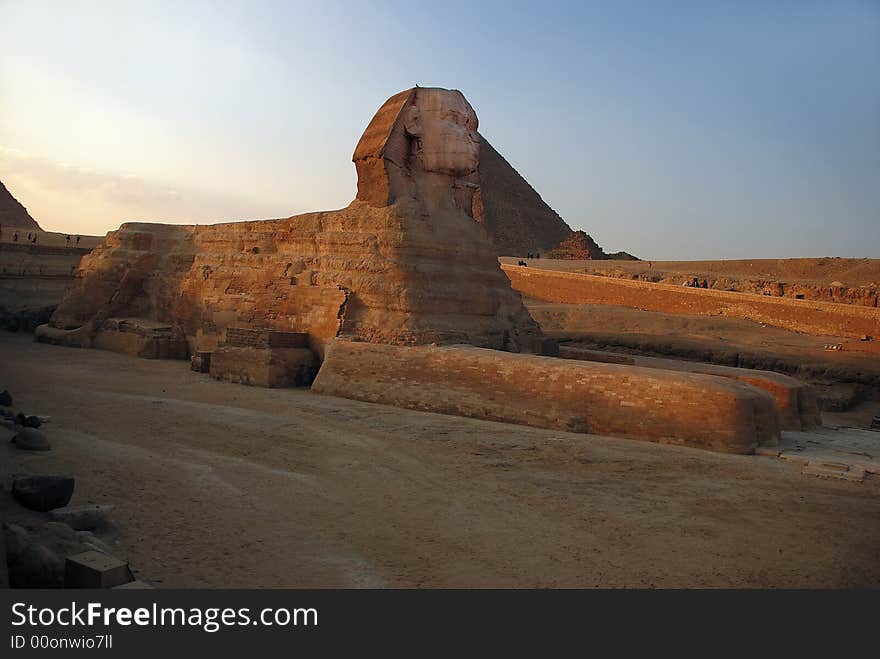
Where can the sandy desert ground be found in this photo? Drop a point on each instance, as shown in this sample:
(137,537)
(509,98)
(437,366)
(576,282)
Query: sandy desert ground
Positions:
(816,271)
(679,332)
(219,485)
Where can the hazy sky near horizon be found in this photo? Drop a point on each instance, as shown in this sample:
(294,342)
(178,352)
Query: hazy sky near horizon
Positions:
(673,130)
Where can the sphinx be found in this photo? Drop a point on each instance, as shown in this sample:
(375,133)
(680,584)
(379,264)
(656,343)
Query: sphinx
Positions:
(405,263)
(396,299)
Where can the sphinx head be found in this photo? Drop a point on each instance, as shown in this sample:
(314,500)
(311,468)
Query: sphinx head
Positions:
(422,143)
(442,127)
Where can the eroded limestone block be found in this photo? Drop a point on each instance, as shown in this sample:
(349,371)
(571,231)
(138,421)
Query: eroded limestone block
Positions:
(264,367)
(141,338)
(81,337)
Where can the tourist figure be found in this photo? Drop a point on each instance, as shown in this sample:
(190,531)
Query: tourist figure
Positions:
(68,241)
(15,236)
(77,241)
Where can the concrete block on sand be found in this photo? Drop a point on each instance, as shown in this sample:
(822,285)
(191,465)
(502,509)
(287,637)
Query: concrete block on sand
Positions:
(93,569)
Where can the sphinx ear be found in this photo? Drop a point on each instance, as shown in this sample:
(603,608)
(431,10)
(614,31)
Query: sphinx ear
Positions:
(412,121)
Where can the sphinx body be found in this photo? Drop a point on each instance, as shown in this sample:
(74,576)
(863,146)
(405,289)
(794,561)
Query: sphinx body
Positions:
(405,263)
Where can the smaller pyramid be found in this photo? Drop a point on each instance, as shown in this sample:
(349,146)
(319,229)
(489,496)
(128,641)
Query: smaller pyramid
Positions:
(13,214)
(581,246)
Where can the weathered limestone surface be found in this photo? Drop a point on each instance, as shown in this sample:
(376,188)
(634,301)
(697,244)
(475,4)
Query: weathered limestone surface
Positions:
(139,338)
(687,409)
(405,263)
(795,400)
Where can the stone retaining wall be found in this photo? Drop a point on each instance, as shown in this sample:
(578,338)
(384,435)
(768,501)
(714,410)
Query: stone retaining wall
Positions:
(688,409)
(795,400)
(808,316)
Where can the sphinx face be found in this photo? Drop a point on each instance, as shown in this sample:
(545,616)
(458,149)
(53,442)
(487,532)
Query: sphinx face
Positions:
(443,126)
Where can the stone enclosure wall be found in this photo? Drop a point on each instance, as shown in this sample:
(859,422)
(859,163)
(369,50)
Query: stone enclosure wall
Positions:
(808,316)
(33,279)
(687,409)
(795,400)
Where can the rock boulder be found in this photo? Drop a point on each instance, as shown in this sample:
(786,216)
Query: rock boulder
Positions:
(43,493)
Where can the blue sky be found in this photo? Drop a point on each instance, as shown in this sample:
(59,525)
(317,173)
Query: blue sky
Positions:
(673,130)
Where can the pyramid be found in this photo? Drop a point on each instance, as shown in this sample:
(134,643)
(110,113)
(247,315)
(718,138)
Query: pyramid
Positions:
(12,213)
(517,219)
(581,246)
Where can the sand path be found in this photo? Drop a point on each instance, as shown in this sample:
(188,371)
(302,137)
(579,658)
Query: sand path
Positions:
(221,485)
